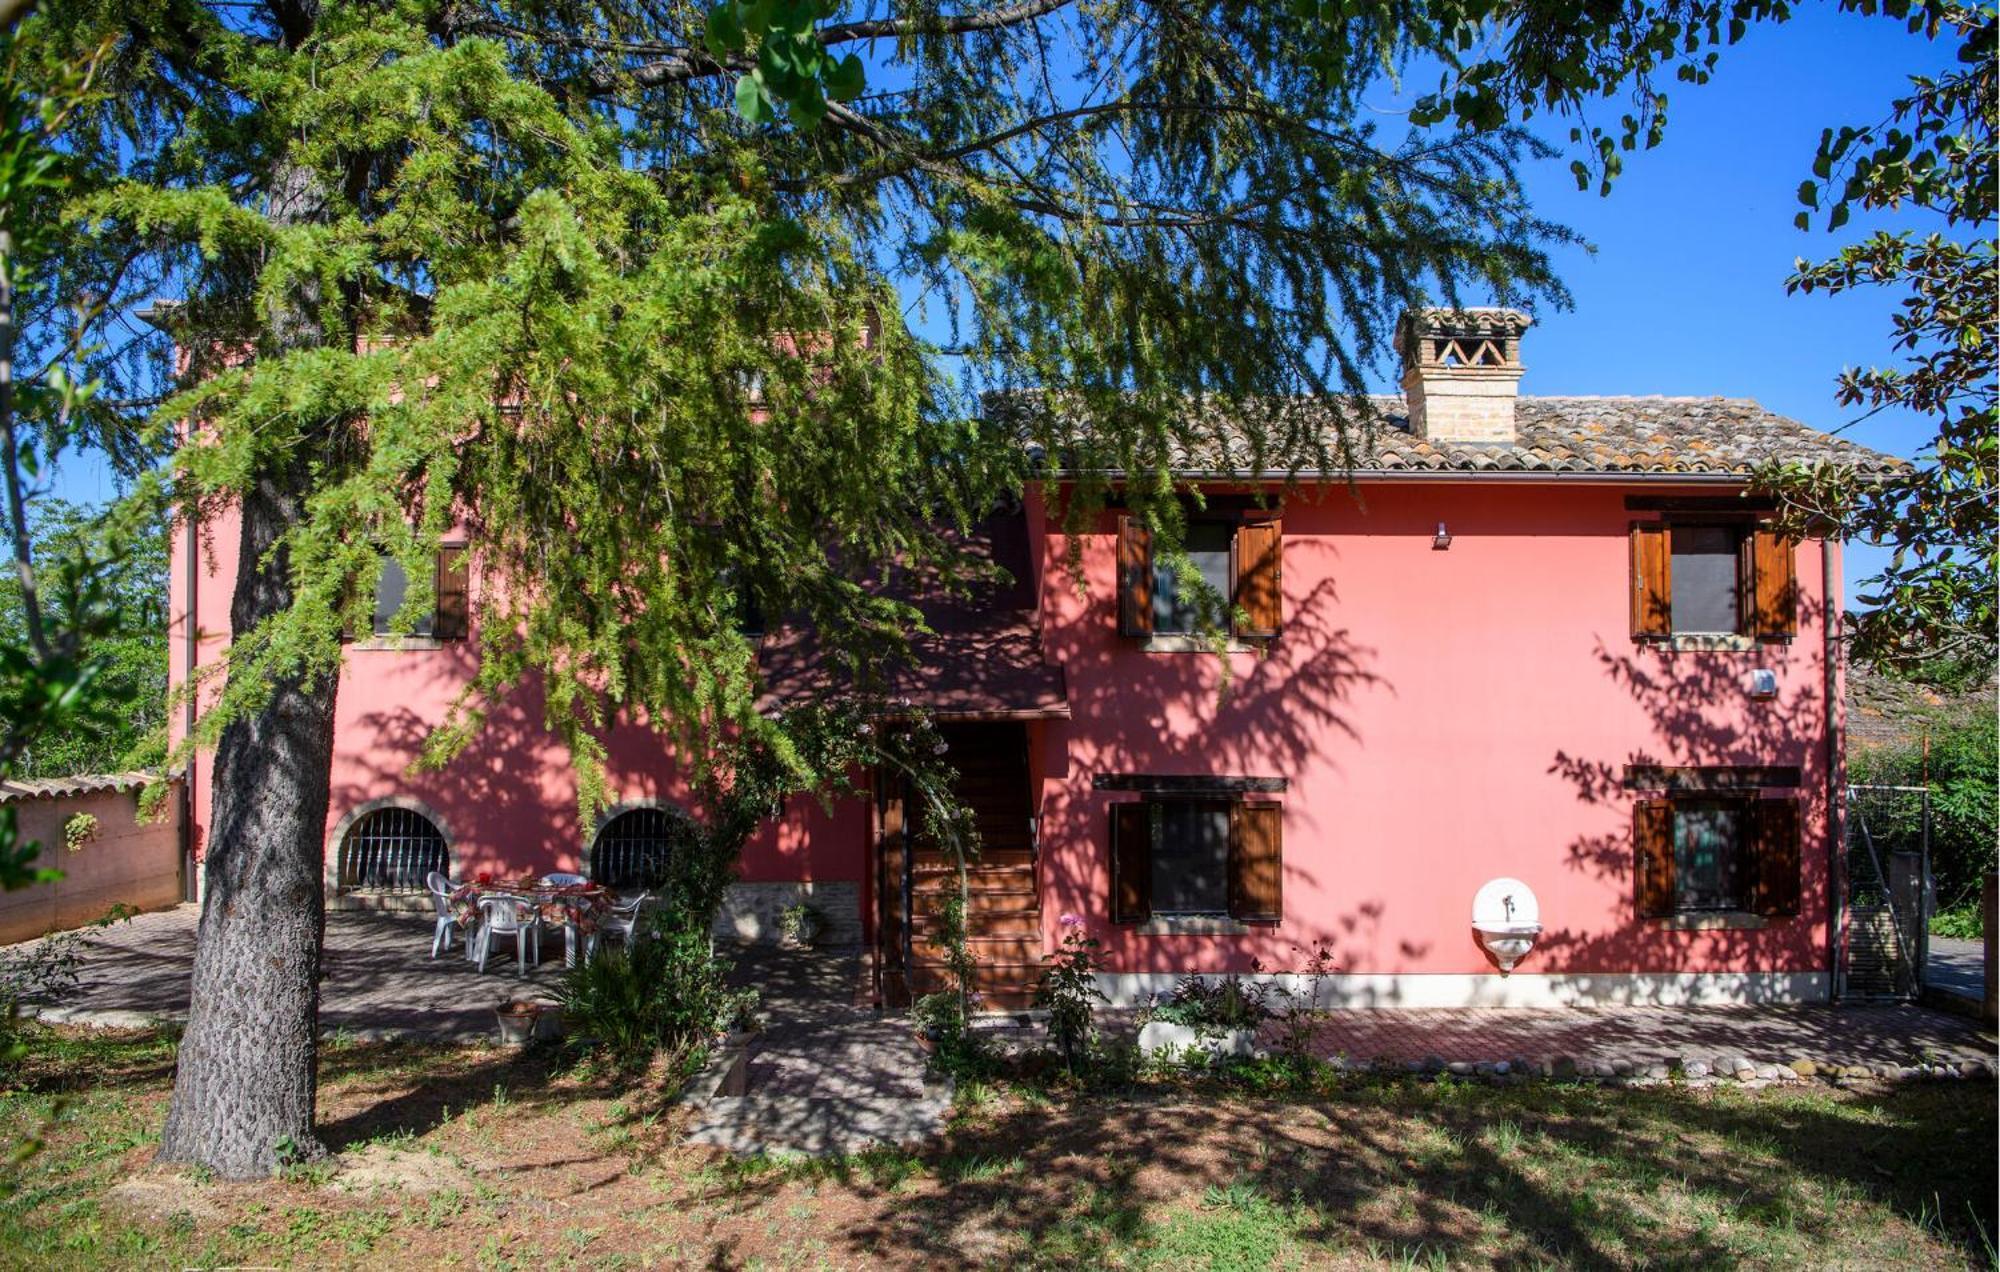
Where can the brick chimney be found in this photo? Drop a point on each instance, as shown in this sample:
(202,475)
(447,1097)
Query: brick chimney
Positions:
(1462,373)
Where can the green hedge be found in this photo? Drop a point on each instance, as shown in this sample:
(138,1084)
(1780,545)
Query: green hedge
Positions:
(1965,813)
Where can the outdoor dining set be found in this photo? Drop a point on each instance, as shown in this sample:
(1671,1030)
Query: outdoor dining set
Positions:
(486,909)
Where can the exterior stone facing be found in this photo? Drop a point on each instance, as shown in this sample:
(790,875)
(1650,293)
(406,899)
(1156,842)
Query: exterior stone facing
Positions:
(750,911)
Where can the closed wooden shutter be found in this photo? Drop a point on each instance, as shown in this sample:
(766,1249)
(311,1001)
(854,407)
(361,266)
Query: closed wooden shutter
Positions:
(1773,836)
(1256,863)
(1131,863)
(1652,582)
(1771,587)
(1260,572)
(1135,578)
(1653,858)
(453,594)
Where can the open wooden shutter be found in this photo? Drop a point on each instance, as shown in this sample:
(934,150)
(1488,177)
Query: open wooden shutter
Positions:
(1653,858)
(1256,863)
(1260,572)
(453,594)
(1652,582)
(1131,863)
(1135,578)
(1773,836)
(1770,587)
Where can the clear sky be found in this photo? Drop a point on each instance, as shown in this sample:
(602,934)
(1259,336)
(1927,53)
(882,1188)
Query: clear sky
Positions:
(1684,292)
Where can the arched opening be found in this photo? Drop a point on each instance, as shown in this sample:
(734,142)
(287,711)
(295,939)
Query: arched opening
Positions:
(391,849)
(635,848)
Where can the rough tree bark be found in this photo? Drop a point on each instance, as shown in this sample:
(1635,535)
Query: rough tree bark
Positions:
(245,1089)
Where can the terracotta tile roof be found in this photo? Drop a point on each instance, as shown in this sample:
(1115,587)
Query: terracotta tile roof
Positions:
(983,660)
(1694,435)
(23,788)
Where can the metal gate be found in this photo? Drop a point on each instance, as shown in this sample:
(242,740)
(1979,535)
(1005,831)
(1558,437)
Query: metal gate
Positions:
(1887,893)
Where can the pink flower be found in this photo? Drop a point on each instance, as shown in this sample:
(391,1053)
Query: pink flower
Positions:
(1070,921)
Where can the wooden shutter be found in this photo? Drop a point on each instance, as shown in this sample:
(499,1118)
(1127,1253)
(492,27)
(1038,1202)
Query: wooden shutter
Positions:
(1256,863)
(1653,858)
(1773,841)
(1135,578)
(1131,863)
(1652,582)
(453,594)
(1260,572)
(1770,587)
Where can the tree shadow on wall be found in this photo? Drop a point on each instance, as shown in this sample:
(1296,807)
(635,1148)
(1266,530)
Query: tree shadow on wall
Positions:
(1703,715)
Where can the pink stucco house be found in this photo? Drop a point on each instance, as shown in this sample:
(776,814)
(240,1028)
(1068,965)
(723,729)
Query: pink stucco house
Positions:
(1536,640)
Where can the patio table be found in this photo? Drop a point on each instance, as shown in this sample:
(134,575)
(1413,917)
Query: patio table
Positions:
(578,907)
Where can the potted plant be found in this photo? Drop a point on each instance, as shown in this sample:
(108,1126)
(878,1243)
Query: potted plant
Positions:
(799,925)
(518,1019)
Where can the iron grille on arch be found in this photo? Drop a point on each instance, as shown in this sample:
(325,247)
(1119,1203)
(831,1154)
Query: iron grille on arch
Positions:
(636,847)
(392,850)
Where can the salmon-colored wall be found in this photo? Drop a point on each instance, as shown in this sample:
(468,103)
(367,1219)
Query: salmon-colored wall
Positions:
(1441,718)
(509,803)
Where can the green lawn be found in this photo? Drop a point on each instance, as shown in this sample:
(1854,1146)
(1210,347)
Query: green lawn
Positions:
(491,1159)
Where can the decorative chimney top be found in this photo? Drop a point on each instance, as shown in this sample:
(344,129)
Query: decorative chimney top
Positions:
(1462,373)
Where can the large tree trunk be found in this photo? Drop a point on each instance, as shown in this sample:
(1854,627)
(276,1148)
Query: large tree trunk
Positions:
(244,1093)
(245,1090)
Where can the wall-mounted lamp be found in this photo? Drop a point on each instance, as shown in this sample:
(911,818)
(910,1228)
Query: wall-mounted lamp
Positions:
(1442,539)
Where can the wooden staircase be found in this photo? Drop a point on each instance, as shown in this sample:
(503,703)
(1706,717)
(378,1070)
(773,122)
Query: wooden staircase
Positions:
(1003,913)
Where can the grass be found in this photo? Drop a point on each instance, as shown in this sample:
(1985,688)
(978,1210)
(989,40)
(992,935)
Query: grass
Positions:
(514,1160)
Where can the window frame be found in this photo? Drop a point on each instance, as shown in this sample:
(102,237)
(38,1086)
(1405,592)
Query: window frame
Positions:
(1256,586)
(1252,866)
(1767,856)
(451,604)
(1766,582)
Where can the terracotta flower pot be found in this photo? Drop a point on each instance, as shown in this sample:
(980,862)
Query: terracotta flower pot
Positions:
(517,1019)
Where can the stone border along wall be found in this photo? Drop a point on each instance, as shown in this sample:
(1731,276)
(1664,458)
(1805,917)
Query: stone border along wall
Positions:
(1689,1070)
(749,913)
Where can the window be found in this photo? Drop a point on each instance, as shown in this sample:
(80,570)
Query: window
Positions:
(391,850)
(1196,857)
(635,849)
(447,619)
(1713,854)
(1242,559)
(1711,576)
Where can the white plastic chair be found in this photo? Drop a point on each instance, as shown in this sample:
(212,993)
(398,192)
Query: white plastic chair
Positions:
(441,889)
(508,916)
(621,921)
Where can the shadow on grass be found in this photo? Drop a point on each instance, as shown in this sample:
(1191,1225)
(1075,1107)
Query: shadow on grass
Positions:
(1522,1176)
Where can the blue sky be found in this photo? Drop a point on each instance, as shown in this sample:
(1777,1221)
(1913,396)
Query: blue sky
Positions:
(1684,292)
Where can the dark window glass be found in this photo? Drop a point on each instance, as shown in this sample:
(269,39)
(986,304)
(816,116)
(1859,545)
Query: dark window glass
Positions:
(636,848)
(1208,544)
(1707,856)
(392,850)
(1191,858)
(389,592)
(1704,579)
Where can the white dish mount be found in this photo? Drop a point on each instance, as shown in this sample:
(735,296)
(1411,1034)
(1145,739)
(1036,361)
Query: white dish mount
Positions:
(1507,918)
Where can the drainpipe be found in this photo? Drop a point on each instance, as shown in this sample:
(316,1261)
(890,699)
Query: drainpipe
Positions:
(191,885)
(1835,825)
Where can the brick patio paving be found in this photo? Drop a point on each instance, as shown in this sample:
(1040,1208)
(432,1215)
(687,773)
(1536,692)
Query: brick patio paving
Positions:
(380,980)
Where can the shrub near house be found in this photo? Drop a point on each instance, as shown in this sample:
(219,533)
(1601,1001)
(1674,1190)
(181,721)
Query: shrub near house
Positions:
(1540,639)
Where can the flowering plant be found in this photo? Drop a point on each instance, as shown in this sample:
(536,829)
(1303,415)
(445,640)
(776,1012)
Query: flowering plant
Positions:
(1069,991)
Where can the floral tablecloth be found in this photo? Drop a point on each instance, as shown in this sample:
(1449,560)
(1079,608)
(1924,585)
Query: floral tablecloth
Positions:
(579,905)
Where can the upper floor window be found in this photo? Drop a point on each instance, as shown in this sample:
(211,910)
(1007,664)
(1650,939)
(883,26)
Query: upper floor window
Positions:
(447,617)
(1712,576)
(1241,559)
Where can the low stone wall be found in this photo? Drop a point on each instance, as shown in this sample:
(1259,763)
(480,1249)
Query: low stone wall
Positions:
(750,911)
(123,861)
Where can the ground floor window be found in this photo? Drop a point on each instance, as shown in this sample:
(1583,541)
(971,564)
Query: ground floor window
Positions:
(1711,854)
(635,849)
(1197,858)
(392,850)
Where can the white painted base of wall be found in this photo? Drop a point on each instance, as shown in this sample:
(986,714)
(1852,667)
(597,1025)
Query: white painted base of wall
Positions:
(749,913)
(1522,989)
